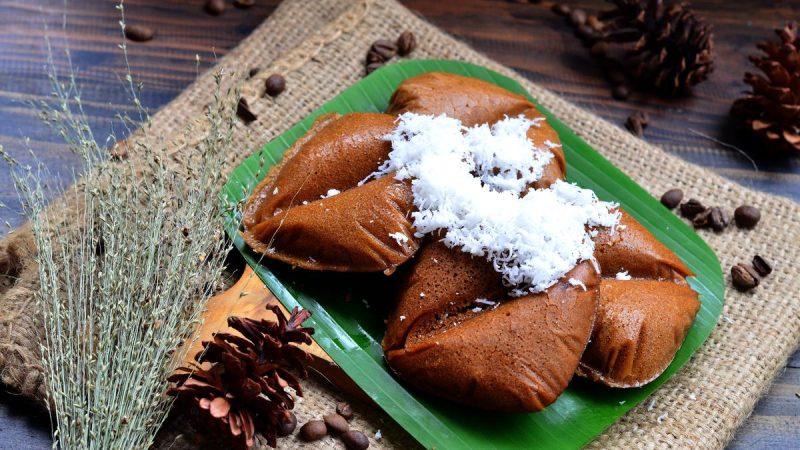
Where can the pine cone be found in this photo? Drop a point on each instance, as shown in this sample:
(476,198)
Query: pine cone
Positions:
(772,108)
(660,47)
(240,381)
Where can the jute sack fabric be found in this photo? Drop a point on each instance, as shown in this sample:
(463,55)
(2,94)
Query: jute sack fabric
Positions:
(320,46)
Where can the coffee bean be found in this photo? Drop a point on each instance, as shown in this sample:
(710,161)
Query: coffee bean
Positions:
(386,49)
(746,216)
(672,198)
(599,49)
(595,23)
(691,208)
(374,57)
(702,219)
(719,219)
(344,410)
(373,67)
(637,122)
(587,34)
(577,17)
(244,112)
(139,33)
(355,440)
(313,430)
(244,3)
(253,72)
(275,84)
(406,43)
(621,92)
(214,7)
(744,277)
(560,9)
(761,265)
(336,424)
(287,422)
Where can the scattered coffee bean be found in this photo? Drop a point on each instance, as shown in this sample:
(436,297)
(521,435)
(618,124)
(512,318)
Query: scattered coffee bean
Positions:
(599,49)
(139,33)
(355,440)
(691,208)
(253,72)
(313,430)
(384,48)
(702,219)
(244,112)
(761,265)
(560,9)
(746,216)
(587,34)
(344,410)
(244,3)
(577,17)
(672,198)
(287,422)
(744,277)
(637,122)
(336,424)
(275,84)
(214,7)
(718,220)
(406,43)
(621,92)
(373,67)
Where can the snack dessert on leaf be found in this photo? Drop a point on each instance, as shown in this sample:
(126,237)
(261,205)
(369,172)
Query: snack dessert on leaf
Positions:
(510,279)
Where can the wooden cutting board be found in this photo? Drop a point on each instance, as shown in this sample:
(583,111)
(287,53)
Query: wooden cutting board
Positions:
(248,297)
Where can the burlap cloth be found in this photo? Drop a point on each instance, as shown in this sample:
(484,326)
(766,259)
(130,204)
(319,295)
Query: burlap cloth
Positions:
(320,46)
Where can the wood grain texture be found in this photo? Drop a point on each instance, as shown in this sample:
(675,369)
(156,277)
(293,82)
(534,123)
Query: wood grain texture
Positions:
(526,37)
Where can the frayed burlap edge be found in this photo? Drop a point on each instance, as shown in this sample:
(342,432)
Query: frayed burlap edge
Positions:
(319,46)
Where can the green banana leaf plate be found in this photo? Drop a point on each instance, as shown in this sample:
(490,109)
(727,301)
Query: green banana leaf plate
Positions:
(348,315)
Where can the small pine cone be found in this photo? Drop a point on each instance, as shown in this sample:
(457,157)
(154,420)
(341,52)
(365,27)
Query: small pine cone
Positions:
(772,108)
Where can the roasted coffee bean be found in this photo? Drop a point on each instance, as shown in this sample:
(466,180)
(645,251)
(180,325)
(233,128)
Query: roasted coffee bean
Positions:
(374,57)
(702,219)
(599,49)
(244,112)
(355,440)
(214,7)
(386,49)
(744,277)
(139,33)
(560,9)
(287,422)
(637,122)
(746,216)
(406,43)
(621,92)
(672,198)
(373,67)
(761,265)
(343,409)
(313,430)
(718,220)
(253,72)
(594,23)
(691,208)
(244,3)
(275,84)
(577,17)
(336,424)
(587,34)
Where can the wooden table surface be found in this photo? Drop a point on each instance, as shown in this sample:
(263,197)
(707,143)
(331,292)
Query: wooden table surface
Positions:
(528,38)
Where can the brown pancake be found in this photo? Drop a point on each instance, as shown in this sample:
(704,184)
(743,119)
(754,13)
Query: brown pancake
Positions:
(640,326)
(518,356)
(348,232)
(336,153)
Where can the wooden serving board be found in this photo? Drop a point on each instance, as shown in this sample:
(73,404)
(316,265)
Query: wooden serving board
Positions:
(248,297)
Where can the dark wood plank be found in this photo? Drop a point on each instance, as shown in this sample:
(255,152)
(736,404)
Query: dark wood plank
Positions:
(527,37)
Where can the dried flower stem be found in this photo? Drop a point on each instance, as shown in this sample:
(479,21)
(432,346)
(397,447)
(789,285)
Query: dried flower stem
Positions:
(127,258)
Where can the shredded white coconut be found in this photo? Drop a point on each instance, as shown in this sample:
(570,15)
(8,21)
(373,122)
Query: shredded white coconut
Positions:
(330,193)
(275,191)
(402,318)
(399,237)
(477,309)
(473,183)
(577,282)
(623,275)
(378,435)
(485,301)
(421,295)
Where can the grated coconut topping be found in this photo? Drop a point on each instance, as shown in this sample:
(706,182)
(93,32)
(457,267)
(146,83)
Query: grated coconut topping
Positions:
(473,184)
